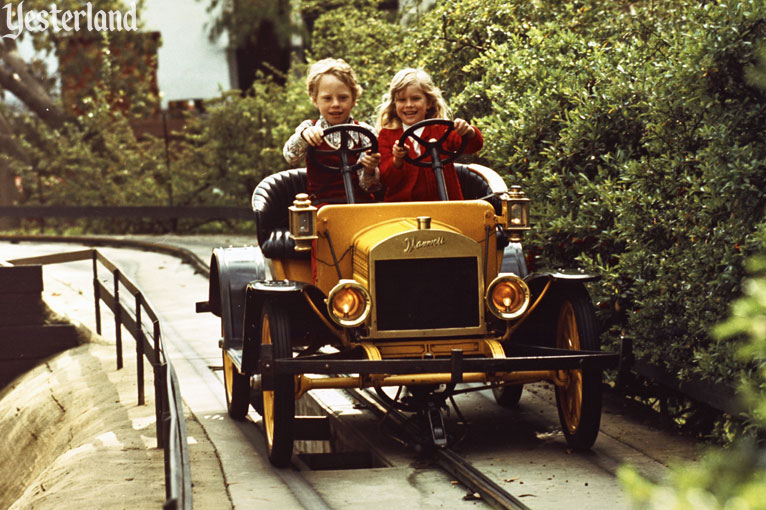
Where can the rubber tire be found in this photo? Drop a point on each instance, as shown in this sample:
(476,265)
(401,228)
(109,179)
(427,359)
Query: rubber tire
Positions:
(278,404)
(579,404)
(236,387)
(508,396)
(256,399)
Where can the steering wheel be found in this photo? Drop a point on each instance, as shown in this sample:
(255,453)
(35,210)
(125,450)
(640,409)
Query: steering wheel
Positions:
(439,154)
(433,148)
(344,151)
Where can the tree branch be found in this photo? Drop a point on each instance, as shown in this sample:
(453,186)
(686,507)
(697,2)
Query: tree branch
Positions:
(27,90)
(16,77)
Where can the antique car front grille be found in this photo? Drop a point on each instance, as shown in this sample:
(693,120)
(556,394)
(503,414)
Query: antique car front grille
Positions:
(423,293)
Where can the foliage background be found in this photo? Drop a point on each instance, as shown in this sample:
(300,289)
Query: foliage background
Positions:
(636,128)
(724,478)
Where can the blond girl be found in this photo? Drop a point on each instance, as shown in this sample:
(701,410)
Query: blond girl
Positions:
(413,97)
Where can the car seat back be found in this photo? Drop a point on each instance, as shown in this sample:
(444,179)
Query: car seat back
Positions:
(474,186)
(270,202)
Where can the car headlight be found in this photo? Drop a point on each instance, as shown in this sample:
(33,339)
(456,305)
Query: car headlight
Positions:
(349,303)
(507,296)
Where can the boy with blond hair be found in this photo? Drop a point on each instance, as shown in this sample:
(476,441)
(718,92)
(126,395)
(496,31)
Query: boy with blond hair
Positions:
(333,88)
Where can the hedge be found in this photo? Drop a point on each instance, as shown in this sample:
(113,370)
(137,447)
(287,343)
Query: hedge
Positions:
(637,129)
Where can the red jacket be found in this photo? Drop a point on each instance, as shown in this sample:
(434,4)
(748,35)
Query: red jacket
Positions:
(412,183)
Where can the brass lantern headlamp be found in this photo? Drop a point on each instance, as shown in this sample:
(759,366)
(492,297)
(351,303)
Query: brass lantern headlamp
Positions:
(303,222)
(349,303)
(516,213)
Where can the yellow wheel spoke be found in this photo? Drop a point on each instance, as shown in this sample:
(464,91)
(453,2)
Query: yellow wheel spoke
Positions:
(268,396)
(568,338)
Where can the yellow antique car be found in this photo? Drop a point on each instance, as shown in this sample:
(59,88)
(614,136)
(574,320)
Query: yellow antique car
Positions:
(418,295)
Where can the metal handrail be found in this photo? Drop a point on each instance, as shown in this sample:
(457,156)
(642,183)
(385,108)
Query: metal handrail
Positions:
(100,211)
(171,424)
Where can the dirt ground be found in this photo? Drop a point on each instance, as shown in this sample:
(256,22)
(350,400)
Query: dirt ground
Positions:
(74,437)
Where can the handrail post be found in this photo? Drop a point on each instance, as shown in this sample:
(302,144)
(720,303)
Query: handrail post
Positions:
(96,292)
(139,352)
(160,400)
(117,318)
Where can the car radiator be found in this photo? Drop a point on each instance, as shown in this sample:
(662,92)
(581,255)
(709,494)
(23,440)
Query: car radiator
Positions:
(423,293)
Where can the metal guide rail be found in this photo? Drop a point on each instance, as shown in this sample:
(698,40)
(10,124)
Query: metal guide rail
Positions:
(171,424)
(447,459)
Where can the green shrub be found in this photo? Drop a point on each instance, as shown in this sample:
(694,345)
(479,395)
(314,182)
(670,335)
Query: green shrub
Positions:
(236,143)
(93,160)
(725,478)
(639,142)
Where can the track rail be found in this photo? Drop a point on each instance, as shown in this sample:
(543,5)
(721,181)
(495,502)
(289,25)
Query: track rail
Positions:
(446,458)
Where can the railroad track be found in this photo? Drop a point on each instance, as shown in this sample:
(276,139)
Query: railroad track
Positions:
(445,457)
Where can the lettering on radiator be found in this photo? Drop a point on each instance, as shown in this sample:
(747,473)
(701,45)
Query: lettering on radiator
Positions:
(411,244)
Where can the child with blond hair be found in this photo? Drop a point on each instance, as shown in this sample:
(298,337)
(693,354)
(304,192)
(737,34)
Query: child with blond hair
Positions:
(333,88)
(413,97)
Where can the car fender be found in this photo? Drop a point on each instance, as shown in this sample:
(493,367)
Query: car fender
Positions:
(547,288)
(294,296)
(231,270)
(563,275)
(538,281)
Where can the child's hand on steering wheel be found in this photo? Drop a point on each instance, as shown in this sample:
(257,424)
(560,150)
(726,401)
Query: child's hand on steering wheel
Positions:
(313,135)
(370,161)
(464,128)
(399,152)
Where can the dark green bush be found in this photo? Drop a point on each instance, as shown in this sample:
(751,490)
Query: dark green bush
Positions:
(237,142)
(640,143)
(734,477)
(93,160)
(98,160)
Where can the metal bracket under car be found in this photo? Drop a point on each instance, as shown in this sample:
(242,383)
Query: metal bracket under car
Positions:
(436,423)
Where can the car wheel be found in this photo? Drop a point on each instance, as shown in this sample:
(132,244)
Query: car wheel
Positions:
(278,403)
(508,396)
(579,401)
(237,388)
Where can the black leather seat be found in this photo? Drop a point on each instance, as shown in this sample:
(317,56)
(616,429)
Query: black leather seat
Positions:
(474,186)
(270,202)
